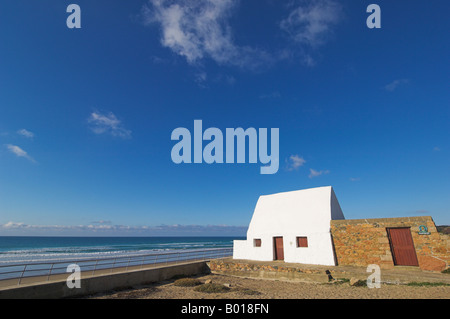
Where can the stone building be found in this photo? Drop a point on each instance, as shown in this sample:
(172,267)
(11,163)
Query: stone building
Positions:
(389,242)
(292,226)
(308,227)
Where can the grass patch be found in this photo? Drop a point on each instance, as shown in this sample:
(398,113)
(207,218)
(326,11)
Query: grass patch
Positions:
(446,271)
(211,288)
(426,284)
(360,283)
(187,282)
(340,281)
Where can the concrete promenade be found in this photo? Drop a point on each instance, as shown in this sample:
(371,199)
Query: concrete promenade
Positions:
(55,286)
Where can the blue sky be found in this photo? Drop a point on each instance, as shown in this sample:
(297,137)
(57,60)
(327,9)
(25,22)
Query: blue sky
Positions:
(86,114)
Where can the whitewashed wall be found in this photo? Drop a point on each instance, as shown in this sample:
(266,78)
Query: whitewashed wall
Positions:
(304,213)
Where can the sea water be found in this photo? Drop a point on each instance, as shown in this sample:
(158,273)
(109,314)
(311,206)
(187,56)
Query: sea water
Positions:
(39,249)
(41,252)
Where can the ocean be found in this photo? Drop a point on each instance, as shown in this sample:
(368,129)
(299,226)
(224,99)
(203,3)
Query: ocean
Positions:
(42,249)
(40,256)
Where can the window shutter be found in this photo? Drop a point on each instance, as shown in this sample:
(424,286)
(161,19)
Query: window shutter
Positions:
(302,241)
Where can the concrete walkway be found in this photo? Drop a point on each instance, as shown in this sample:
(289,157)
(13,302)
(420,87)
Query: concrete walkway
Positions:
(98,283)
(37,280)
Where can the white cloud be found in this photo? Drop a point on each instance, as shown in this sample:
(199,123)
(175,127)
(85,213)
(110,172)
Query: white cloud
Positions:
(107,124)
(310,23)
(395,84)
(25,133)
(355,179)
(16,150)
(314,173)
(13,225)
(294,162)
(198,29)
(436,149)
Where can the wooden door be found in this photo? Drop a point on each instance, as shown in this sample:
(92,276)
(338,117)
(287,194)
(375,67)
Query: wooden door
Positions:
(402,247)
(278,248)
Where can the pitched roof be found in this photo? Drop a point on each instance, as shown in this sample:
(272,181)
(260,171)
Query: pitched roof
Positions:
(307,210)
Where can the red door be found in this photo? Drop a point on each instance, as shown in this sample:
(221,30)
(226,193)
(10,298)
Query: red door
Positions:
(278,248)
(402,247)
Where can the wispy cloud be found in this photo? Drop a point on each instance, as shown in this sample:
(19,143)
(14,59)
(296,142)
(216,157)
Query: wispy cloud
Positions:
(106,228)
(436,149)
(308,60)
(200,29)
(310,22)
(355,179)
(313,173)
(10,225)
(200,79)
(107,124)
(391,87)
(294,162)
(19,152)
(25,133)
(225,78)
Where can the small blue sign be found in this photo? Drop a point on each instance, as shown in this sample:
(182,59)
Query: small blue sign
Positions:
(423,230)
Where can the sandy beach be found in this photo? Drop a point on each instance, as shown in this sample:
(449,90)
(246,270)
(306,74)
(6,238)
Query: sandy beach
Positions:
(245,288)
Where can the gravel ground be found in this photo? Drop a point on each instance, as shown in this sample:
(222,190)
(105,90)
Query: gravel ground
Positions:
(243,288)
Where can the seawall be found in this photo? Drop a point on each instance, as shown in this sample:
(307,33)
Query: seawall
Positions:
(103,283)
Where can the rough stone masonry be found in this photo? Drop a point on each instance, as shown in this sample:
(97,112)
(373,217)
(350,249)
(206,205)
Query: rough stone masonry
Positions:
(361,242)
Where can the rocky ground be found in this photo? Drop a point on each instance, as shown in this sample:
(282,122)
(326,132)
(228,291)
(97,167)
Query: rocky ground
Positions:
(243,288)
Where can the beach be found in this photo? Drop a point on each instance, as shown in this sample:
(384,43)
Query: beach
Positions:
(245,288)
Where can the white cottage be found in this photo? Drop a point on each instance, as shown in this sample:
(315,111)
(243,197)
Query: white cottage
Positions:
(292,226)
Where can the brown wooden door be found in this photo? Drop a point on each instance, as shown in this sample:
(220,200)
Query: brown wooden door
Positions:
(402,247)
(278,247)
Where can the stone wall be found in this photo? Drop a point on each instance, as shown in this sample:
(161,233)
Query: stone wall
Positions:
(362,242)
(270,270)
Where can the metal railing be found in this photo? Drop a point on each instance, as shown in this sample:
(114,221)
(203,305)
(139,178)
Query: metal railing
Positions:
(44,270)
